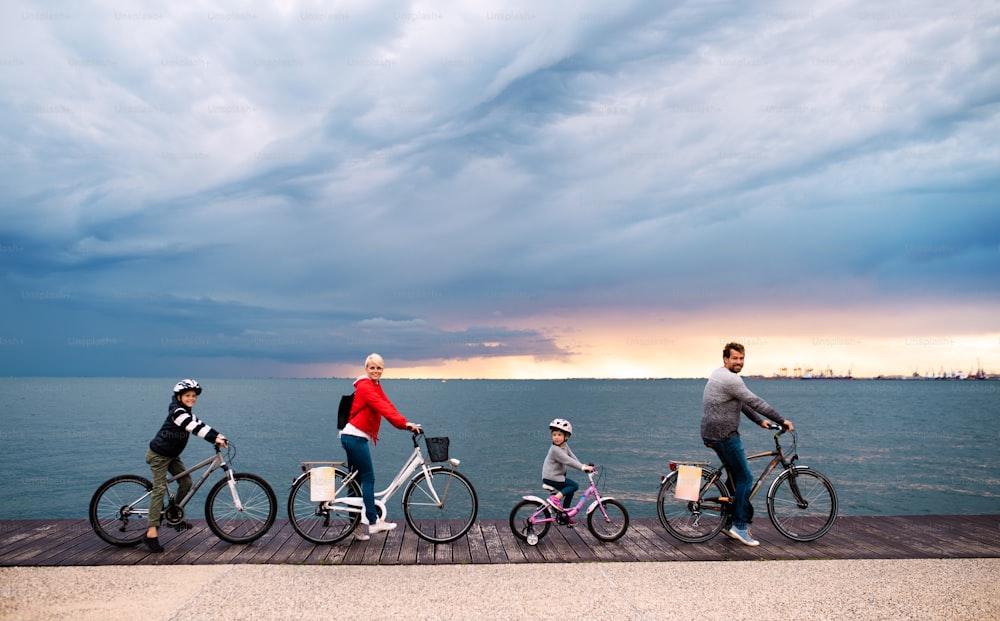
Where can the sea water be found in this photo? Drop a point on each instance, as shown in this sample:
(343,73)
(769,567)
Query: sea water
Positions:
(890,447)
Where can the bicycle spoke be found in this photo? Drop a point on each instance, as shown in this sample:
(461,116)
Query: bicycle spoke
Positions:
(692,521)
(802,504)
(323,522)
(237,524)
(119,510)
(441,494)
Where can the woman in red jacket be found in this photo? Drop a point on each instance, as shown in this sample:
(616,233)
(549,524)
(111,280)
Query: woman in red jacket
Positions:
(370,405)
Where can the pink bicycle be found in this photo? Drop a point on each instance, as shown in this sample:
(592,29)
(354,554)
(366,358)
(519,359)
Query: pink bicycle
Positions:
(607,518)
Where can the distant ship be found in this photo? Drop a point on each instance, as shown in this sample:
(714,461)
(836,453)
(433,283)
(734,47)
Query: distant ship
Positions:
(826,374)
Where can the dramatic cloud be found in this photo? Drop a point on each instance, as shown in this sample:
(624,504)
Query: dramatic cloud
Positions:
(282,188)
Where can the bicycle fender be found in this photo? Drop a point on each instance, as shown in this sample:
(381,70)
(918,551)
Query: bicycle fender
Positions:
(774,483)
(534,498)
(593,505)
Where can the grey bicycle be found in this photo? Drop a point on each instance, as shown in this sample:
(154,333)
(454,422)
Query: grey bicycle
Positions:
(240,508)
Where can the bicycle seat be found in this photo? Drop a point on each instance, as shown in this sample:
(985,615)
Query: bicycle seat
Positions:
(549,488)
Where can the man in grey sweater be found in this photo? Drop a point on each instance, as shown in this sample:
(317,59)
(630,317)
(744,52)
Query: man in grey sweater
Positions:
(725,397)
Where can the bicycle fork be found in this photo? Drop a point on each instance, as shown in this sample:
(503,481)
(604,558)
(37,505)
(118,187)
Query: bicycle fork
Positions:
(231,481)
(793,484)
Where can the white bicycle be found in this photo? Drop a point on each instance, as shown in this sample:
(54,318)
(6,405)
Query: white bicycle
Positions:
(439,502)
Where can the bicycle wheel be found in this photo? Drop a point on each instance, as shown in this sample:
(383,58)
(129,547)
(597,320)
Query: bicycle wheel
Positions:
(609,528)
(693,521)
(444,521)
(316,523)
(521,526)
(236,525)
(802,504)
(119,509)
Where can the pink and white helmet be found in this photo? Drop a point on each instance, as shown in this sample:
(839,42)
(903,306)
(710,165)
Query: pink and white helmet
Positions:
(563,425)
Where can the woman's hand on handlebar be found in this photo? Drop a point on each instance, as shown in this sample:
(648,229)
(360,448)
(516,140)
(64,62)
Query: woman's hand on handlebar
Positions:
(414,427)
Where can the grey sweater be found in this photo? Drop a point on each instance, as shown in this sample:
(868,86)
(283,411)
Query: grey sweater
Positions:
(725,397)
(557,462)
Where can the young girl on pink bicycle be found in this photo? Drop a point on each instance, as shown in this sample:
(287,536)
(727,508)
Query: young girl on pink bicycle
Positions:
(559,459)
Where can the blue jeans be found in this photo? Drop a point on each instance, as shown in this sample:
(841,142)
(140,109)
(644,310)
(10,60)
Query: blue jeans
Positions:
(734,458)
(359,458)
(567,487)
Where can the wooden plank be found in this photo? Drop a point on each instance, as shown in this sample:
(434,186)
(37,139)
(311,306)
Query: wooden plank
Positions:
(393,545)
(72,542)
(494,548)
(477,545)
(460,553)
(655,538)
(512,546)
(408,548)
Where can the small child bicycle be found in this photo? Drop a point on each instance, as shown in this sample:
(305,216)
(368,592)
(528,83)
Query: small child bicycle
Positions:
(607,518)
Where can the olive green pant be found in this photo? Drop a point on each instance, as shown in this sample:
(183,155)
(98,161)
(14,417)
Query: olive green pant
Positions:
(160,466)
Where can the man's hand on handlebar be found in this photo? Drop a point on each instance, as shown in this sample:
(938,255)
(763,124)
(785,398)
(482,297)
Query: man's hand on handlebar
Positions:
(773,426)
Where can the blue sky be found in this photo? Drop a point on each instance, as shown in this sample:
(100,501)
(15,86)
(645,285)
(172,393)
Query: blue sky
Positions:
(498,189)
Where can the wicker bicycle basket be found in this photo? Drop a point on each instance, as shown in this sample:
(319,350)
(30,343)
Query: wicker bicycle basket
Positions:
(437,449)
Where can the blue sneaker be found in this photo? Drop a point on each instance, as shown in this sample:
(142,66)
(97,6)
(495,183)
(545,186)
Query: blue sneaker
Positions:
(743,536)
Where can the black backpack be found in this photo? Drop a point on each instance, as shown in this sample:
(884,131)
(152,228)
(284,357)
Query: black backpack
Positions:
(344,411)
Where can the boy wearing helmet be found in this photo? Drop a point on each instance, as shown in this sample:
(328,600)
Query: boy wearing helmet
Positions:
(164,454)
(559,459)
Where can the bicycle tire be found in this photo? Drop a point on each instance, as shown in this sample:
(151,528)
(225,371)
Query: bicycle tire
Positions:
(260,507)
(322,525)
(693,521)
(611,527)
(520,514)
(119,509)
(794,521)
(449,520)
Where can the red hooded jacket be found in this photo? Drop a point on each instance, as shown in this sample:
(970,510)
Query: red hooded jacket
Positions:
(370,405)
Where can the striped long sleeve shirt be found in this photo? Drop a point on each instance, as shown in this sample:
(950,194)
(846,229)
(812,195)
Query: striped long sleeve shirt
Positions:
(180,424)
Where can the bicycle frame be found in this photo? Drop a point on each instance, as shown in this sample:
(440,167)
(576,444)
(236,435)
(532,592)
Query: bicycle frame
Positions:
(355,504)
(575,509)
(777,453)
(214,463)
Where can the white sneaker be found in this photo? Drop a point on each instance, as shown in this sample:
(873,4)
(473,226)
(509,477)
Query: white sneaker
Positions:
(359,533)
(381,526)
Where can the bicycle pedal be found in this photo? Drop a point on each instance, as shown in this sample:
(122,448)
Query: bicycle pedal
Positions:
(182,526)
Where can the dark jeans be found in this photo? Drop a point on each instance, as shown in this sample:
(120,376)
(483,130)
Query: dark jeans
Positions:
(567,487)
(734,458)
(359,458)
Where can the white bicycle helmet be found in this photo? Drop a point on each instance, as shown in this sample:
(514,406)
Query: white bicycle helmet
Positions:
(561,424)
(187,384)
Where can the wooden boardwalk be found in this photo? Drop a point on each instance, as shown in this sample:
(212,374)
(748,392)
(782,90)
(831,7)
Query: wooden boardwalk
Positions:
(72,542)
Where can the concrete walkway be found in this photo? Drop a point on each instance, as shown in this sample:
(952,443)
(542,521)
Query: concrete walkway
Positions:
(840,589)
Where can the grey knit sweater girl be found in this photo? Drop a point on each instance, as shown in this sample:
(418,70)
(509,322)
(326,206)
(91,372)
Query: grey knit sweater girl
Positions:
(557,461)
